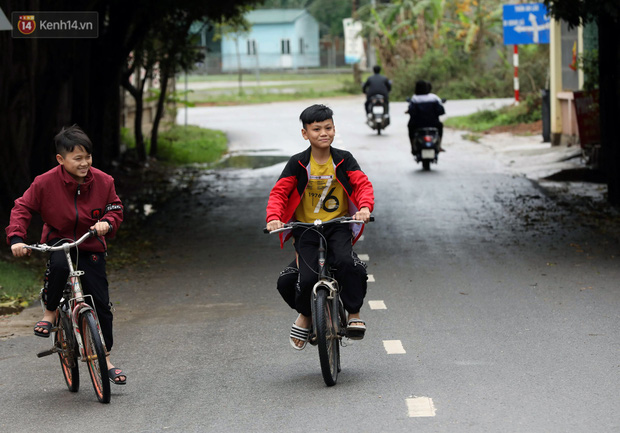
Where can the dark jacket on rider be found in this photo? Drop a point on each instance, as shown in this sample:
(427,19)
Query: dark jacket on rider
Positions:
(377,84)
(425,111)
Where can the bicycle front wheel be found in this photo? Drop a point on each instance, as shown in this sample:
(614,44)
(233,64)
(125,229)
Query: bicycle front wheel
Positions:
(67,351)
(95,356)
(327,337)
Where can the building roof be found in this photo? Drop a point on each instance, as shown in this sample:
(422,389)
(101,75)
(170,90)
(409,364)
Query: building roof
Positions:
(274,16)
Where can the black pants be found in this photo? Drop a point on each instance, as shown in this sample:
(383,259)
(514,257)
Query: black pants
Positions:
(94,283)
(350,271)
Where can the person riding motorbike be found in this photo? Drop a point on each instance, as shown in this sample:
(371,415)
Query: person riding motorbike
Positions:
(424,111)
(377,84)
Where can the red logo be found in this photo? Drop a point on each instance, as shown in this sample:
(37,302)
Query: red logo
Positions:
(94,258)
(96,213)
(26,24)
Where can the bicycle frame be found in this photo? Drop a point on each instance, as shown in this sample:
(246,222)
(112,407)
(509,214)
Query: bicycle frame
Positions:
(77,304)
(328,315)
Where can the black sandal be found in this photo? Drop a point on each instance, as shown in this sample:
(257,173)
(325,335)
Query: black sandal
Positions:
(115,373)
(46,326)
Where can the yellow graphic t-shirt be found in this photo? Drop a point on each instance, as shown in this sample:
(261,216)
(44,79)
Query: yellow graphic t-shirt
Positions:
(324,197)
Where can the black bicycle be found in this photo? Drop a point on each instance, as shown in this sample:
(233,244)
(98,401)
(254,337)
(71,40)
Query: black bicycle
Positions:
(76,332)
(329,320)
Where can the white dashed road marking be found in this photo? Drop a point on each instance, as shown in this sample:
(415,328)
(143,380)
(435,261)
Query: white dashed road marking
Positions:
(420,407)
(363,257)
(377,305)
(393,347)
(371,278)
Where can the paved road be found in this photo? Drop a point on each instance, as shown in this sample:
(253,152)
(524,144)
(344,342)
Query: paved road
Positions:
(505,306)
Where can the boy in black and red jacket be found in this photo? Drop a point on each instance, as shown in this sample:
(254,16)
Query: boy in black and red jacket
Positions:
(323,183)
(71,199)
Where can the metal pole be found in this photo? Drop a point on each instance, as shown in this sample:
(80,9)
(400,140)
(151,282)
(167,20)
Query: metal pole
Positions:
(515,60)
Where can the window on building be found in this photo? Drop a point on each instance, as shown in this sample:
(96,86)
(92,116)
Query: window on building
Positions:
(301,45)
(286,46)
(251,47)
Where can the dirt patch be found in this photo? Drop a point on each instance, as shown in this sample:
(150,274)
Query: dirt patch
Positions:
(519,129)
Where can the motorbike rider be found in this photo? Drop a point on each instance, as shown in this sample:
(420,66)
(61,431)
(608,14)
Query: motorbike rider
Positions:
(424,111)
(376,84)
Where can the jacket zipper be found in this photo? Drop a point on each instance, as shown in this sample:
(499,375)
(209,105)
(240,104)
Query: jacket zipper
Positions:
(77,215)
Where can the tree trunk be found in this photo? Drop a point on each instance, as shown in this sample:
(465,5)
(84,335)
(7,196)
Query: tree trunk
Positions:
(137,92)
(161,106)
(609,91)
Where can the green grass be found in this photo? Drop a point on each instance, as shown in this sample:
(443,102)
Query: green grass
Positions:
(191,144)
(19,283)
(269,88)
(527,112)
(185,144)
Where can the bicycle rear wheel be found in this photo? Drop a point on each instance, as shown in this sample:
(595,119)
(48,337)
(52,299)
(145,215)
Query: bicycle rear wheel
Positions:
(67,346)
(95,356)
(327,337)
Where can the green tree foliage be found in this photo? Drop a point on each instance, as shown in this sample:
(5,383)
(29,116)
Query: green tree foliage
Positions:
(455,44)
(49,83)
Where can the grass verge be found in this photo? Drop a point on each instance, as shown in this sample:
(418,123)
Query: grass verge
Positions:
(20,284)
(527,112)
(225,89)
(191,144)
(181,145)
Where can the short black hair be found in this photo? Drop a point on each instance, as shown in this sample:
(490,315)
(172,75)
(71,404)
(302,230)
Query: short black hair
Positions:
(422,87)
(68,138)
(376,69)
(316,113)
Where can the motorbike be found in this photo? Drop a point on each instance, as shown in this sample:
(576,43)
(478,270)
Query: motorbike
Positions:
(426,146)
(379,117)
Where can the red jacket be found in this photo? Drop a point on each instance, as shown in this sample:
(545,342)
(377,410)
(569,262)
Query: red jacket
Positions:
(68,209)
(288,190)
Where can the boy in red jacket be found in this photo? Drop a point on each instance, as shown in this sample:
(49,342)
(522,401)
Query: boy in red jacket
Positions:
(71,199)
(323,183)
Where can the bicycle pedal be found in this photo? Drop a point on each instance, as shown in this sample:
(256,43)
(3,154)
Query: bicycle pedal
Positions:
(45,353)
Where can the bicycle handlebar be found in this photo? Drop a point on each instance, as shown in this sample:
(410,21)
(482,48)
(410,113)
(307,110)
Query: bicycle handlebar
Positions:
(317,223)
(45,248)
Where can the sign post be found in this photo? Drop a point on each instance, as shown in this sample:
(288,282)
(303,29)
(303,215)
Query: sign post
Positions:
(524,24)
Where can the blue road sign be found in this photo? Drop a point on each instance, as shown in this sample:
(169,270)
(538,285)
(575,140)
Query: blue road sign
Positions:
(526,24)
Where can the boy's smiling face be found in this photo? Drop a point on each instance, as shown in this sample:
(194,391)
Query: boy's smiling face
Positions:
(76,163)
(320,134)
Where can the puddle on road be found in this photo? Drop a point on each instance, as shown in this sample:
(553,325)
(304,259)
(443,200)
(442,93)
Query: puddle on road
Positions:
(249,161)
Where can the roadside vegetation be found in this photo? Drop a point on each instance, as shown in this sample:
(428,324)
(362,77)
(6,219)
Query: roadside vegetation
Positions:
(184,145)
(528,111)
(225,89)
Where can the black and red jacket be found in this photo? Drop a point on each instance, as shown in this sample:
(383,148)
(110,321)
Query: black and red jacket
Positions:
(68,209)
(286,195)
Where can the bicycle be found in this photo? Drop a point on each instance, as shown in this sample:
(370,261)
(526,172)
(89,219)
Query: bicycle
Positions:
(329,320)
(76,331)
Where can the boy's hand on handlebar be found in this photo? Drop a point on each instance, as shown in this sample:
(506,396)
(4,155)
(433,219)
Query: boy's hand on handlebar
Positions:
(362,215)
(102,228)
(274,225)
(20,250)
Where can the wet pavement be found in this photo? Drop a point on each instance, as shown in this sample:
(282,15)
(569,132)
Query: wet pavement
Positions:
(500,286)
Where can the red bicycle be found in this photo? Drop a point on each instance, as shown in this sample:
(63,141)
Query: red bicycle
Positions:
(76,332)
